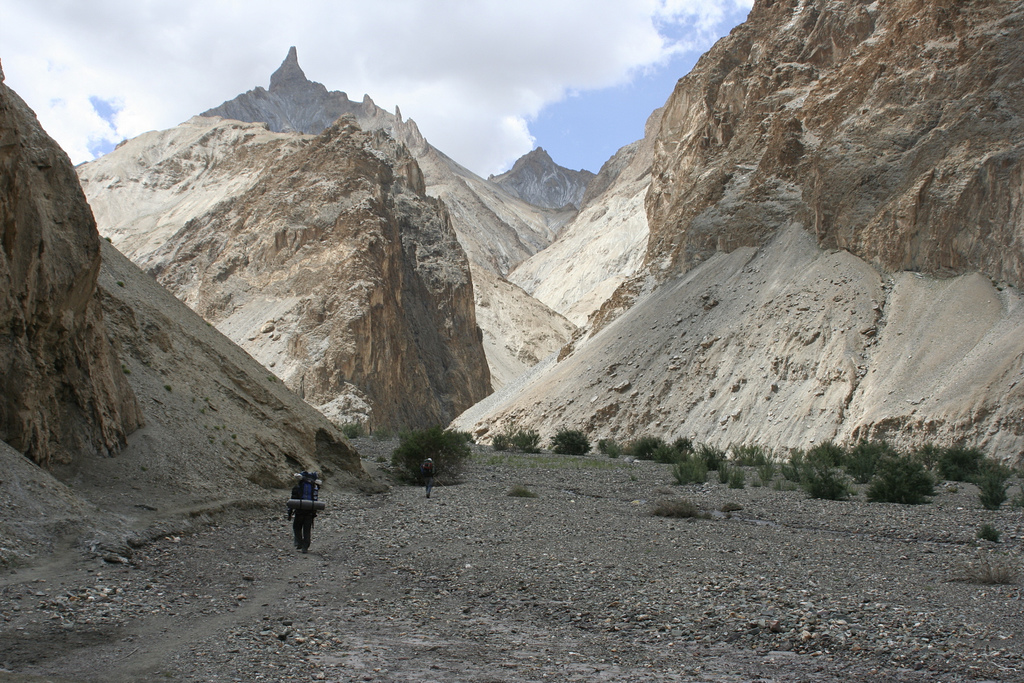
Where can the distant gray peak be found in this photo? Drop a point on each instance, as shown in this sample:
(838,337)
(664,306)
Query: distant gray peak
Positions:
(537,179)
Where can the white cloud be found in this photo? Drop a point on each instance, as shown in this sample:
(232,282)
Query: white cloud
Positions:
(470,72)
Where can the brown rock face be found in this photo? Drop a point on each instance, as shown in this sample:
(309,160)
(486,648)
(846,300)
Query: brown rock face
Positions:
(891,129)
(62,392)
(338,272)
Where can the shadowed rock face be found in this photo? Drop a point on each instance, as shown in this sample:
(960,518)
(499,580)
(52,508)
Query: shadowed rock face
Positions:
(62,392)
(891,129)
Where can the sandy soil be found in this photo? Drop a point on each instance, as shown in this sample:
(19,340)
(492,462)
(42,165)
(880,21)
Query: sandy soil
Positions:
(579,583)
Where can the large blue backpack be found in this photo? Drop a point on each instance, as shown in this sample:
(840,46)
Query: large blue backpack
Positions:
(308,493)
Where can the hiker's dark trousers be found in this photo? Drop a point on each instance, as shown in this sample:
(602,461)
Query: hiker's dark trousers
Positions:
(303,527)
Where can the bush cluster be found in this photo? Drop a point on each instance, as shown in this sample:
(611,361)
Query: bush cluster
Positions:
(448,449)
(523,440)
(570,442)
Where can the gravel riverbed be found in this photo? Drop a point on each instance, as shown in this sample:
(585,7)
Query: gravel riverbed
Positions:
(580,583)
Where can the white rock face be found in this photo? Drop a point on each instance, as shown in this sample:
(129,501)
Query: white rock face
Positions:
(518,330)
(787,346)
(604,244)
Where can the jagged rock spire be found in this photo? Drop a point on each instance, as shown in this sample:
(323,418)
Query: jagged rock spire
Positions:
(289,73)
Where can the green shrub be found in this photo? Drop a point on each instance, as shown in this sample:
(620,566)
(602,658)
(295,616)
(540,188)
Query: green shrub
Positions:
(679,508)
(352,430)
(502,442)
(609,447)
(737,478)
(683,446)
(464,435)
(723,472)
(520,491)
(690,471)
(448,450)
(862,460)
(644,447)
(667,454)
(828,452)
(992,484)
(957,463)
(382,434)
(570,442)
(901,480)
(527,441)
(751,455)
(767,470)
(821,480)
(712,456)
(987,532)
(793,468)
(927,454)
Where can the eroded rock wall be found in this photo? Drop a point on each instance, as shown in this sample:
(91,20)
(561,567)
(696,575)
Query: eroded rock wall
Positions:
(62,392)
(891,129)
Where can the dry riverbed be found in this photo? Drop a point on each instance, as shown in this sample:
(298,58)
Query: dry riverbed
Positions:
(577,584)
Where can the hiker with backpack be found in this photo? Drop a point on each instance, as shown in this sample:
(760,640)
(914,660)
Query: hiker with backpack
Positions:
(303,506)
(427,473)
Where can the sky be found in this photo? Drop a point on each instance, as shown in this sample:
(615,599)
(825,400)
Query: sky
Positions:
(485,80)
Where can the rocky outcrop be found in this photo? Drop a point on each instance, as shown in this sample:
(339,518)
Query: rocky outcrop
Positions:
(537,179)
(890,129)
(330,265)
(62,392)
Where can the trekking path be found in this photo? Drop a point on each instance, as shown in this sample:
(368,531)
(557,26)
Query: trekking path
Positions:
(577,584)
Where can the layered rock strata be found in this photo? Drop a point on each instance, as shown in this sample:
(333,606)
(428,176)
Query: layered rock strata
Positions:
(537,179)
(62,392)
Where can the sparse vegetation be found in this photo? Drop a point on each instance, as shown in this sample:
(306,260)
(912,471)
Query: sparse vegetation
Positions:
(712,456)
(821,479)
(737,478)
(609,447)
(900,480)
(167,387)
(352,430)
(680,508)
(690,471)
(520,491)
(502,441)
(448,450)
(750,455)
(987,532)
(990,570)
(992,484)
(644,447)
(527,441)
(861,461)
(960,464)
(570,442)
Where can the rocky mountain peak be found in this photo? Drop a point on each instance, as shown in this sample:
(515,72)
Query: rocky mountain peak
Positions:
(537,179)
(289,75)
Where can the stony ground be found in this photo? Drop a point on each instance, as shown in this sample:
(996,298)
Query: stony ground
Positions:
(577,584)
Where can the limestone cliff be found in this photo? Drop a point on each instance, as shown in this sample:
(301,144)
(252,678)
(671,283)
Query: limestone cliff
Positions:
(62,392)
(329,264)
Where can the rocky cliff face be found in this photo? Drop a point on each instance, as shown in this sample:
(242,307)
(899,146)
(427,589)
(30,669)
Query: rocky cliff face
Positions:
(62,392)
(835,243)
(537,179)
(330,265)
(890,129)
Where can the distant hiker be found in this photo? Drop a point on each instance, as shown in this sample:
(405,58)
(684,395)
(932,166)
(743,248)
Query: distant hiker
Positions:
(427,472)
(303,506)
